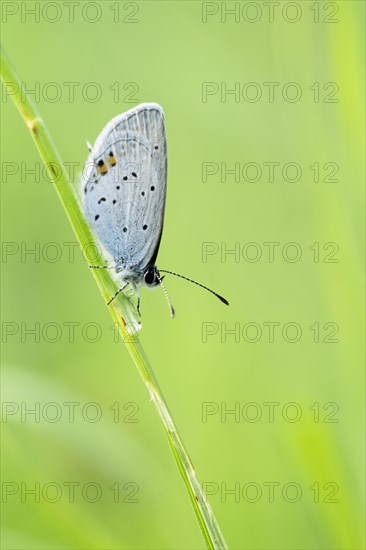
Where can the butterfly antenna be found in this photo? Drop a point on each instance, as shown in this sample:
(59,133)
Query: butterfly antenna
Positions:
(172,312)
(198,284)
(89,146)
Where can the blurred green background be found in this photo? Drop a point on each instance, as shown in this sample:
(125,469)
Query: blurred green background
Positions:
(286,470)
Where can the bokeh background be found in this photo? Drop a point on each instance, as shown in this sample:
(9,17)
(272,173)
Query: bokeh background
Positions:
(291,478)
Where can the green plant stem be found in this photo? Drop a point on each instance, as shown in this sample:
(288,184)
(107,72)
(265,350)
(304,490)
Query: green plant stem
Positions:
(121,310)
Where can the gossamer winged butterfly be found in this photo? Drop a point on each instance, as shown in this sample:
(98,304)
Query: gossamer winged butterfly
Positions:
(124,196)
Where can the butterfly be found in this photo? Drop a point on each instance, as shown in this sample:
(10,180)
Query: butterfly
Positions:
(124,196)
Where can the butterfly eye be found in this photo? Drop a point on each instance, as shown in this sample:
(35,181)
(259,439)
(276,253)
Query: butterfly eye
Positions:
(149,277)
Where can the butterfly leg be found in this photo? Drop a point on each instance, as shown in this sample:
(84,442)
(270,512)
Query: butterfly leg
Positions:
(136,292)
(100,266)
(116,293)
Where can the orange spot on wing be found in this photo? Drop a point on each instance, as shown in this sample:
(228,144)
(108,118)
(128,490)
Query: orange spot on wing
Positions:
(102,167)
(112,160)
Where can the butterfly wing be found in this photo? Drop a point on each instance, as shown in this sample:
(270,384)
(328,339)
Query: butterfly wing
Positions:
(125,186)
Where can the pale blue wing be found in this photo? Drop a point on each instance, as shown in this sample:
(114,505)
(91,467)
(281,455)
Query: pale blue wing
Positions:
(125,189)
